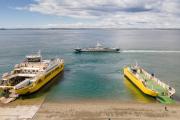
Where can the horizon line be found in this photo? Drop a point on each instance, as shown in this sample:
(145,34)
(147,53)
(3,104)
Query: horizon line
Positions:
(54,28)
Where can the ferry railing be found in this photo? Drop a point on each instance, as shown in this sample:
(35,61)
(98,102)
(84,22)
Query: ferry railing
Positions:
(162,84)
(52,64)
(7,75)
(143,81)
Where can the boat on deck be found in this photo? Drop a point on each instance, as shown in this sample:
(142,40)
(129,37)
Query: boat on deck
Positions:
(29,76)
(97,48)
(149,84)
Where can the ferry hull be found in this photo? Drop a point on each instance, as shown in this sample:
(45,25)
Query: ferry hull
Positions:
(138,83)
(96,50)
(44,79)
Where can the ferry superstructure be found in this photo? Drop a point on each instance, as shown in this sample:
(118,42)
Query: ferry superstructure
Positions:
(29,76)
(97,48)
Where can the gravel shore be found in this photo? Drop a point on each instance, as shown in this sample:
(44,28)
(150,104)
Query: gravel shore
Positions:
(37,109)
(107,110)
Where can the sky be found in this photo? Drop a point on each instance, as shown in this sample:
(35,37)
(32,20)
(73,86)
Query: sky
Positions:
(90,13)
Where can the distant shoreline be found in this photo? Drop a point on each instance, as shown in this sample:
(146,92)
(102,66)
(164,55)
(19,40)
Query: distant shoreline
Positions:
(89,28)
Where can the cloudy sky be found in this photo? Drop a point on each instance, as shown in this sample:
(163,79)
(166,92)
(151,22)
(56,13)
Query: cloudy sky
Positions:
(90,13)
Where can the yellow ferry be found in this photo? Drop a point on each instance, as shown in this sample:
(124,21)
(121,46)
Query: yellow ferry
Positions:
(29,76)
(149,84)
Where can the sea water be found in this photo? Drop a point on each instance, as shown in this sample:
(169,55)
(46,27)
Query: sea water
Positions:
(96,76)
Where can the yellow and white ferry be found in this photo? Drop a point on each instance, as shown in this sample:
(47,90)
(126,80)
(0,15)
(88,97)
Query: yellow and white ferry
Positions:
(29,76)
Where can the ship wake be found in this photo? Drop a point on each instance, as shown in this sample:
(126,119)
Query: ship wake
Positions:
(149,51)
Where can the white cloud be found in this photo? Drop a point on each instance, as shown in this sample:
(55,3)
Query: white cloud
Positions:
(112,13)
(171,7)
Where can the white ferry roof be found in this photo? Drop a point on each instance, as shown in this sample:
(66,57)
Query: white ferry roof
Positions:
(21,75)
(37,56)
(26,74)
(33,56)
(46,61)
(27,68)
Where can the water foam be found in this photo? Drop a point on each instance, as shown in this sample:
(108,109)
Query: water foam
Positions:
(150,51)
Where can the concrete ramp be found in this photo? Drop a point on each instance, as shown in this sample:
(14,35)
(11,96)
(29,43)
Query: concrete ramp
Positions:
(18,112)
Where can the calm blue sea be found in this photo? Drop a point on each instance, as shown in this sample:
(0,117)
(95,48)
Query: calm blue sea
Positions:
(96,76)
